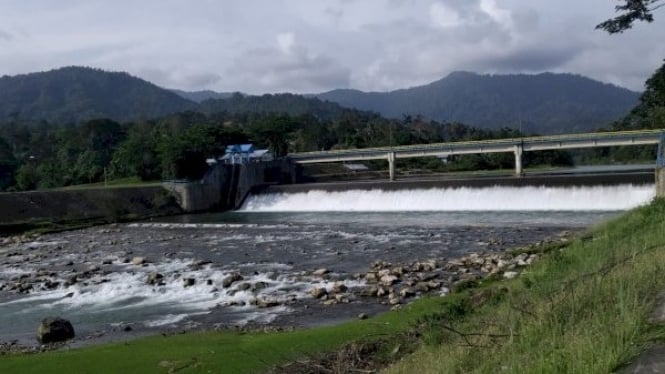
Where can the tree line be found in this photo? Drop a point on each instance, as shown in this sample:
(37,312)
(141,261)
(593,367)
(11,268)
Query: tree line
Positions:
(40,155)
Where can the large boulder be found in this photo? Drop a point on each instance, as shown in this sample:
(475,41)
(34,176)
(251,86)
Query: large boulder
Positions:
(54,329)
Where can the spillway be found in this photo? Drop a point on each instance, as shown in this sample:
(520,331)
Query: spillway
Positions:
(497,198)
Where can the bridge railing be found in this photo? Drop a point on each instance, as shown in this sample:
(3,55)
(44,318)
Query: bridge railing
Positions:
(600,136)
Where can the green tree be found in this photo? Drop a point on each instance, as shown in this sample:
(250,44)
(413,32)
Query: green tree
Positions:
(650,111)
(8,165)
(274,132)
(631,11)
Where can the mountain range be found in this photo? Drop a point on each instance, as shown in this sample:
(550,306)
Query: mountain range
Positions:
(72,94)
(545,103)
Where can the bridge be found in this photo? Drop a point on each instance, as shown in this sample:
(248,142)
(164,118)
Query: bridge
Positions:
(515,145)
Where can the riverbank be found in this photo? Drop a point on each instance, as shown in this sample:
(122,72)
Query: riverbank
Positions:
(57,210)
(584,309)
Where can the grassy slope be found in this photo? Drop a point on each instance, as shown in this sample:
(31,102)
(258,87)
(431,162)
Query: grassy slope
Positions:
(225,352)
(580,310)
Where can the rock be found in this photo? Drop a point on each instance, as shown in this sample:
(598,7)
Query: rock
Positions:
(265,303)
(520,260)
(318,292)
(259,286)
(228,281)
(138,260)
(407,292)
(421,287)
(394,300)
(388,280)
(362,316)
(372,290)
(371,277)
(320,272)
(340,287)
(433,284)
(381,292)
(188,282)
(155,278)
(341,299)
(383,272)
(510,274)
(54,329)
(244,286)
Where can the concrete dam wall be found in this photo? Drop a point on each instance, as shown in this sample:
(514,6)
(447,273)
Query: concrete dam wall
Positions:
(538,180)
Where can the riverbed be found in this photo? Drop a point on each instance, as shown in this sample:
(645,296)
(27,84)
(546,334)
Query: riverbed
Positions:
(250,269)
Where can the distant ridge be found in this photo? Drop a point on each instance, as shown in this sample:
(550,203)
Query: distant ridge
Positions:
(72,94)
(201,96)
(544,103)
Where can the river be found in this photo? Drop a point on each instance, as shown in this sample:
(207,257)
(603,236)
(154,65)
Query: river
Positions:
(255,266)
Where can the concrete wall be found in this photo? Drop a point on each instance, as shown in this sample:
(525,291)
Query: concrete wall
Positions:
(660,181)
(94,204)
(405,184)
(208,193)
(226,186)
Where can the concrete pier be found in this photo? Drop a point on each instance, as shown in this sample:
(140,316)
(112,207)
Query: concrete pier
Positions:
(391,165)
(660,181)
(519,171)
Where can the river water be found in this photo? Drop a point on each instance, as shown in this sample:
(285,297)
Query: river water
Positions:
(270,249)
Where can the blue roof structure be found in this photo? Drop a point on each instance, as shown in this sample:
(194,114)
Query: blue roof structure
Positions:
(240,148)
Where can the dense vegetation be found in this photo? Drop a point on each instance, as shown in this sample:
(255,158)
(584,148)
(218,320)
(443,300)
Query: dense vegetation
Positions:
(73,94)
(41,155)
(649,113)
(544,103)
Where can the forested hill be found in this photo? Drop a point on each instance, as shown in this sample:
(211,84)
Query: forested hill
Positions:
(73,94)
(545,103)
(201,96)
(294,105)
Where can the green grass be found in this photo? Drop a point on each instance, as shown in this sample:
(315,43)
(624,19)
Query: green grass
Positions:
(216,352)
(581,309)
(584,309)
(120,182)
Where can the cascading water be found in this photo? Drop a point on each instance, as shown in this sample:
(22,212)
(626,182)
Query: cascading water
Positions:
(593,198)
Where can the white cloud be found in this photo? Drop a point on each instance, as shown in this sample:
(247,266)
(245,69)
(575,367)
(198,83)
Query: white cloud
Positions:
(304,45)
(286,42)
(444,16)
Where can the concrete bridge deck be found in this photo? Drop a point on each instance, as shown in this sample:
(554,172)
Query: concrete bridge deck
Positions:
(515,145)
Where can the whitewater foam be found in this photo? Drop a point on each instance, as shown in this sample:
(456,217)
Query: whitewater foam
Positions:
(591,198)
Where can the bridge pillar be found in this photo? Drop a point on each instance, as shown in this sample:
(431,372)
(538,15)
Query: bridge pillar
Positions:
(391,165)
(518,161)
(660,181)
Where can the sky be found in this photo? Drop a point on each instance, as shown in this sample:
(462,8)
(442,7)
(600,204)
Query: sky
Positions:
(311,46)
